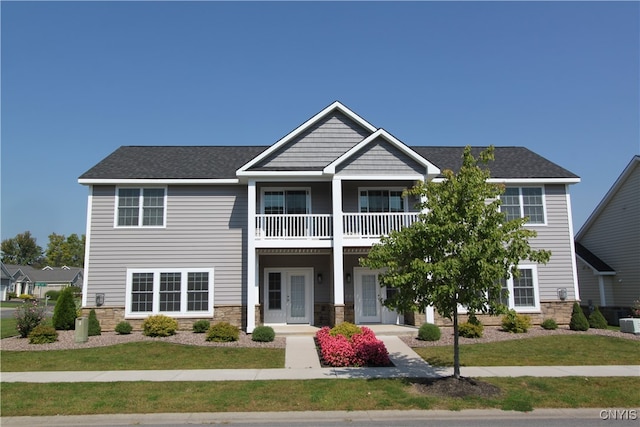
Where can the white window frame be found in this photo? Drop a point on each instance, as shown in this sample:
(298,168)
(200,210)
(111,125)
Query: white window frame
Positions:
(184,313)
(140,207)
(284,190)
(405,199)
(521,203)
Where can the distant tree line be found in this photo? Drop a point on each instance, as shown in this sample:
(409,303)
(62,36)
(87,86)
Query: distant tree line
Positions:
(23,250)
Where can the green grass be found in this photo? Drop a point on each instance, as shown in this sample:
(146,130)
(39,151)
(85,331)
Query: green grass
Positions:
(522,394)
(541,351)
(8,328)
(143,355)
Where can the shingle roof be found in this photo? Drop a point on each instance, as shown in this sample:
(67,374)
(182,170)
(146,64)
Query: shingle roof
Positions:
(52,275)
(221,162)
(591,259)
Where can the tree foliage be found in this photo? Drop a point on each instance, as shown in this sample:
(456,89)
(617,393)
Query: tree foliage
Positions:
(67,251)
(458,250)
(21,250)
(65,312)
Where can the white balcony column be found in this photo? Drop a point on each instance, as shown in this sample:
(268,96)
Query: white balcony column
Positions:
(252,261)
(338,267)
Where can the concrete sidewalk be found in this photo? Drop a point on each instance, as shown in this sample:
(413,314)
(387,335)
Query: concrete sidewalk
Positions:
(301,362)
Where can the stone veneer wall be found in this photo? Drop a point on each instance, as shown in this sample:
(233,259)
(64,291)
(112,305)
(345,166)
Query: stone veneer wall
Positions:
(560,311)
(322,314)
(109,317)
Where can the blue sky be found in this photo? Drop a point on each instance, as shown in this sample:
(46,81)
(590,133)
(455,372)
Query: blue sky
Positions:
(80,79)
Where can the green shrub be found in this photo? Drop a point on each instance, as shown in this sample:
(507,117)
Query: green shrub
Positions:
(223,332)
(43,334)
(578,321)
(429,332)
(470,330)
(516,323)
(159,325)
(28,315)
(53,295)
(263,334)
(11,295)
(345,329)
(124,328)
(94,324)
(65,313)
(597,320)
(26,297)
(549,324)
(201,326)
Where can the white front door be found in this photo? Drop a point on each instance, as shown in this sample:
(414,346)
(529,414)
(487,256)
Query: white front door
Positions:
(287,296)
(367,296)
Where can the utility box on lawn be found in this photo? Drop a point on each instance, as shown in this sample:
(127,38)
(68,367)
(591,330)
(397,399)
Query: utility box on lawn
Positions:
(82,329)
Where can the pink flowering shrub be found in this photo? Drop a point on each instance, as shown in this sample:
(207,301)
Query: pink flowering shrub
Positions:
(363,349)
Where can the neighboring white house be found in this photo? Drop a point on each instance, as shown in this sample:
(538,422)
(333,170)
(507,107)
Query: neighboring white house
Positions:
(608,248)
(273,234)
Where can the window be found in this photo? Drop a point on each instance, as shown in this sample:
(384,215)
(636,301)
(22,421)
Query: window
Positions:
(275,291)
(145,203)
(521,293)
(175,292)
(381,201)
(520,202)
(291,202)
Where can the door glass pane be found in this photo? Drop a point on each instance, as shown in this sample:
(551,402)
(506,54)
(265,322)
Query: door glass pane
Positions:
(273,202)
(274,301)
(298,300)
(369,296)
(296,202)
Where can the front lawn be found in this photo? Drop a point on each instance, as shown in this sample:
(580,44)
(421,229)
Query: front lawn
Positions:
(142,356)
(520,394)
(540,351)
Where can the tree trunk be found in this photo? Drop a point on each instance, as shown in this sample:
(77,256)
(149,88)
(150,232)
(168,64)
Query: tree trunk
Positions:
(456,347)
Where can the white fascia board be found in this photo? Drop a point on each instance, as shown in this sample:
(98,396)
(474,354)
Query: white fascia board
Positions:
(415,177)
(158,181)
(297,131)
(430,168)
(284,174)
(526,181)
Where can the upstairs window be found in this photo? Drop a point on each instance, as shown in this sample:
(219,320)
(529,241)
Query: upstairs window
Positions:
(290,202)
(521,202)
(141,207)
(381,201)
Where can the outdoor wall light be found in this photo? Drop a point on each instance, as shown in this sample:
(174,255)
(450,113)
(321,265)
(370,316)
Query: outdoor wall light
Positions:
(562,293)
(99,300)
(348,278)
(319,278)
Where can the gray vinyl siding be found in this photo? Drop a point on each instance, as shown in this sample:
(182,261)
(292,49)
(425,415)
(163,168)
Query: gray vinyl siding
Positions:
(380,158)
(589,289)
(614,236)
(320,194)
(556,237)
(318,146)
(205,228)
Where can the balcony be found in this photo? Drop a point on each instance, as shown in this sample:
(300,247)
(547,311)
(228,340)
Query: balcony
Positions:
(356,226)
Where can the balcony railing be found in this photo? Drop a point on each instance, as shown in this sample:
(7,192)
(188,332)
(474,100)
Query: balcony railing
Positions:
(374,225)
(294,227)
(320,227)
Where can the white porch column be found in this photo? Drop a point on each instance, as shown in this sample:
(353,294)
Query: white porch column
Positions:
(252,261)
(430,317)
(603,298)
(338,267)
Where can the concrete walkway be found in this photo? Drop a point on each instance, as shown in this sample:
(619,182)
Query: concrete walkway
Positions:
(301,362)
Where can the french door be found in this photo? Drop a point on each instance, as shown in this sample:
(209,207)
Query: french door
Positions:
(288,296)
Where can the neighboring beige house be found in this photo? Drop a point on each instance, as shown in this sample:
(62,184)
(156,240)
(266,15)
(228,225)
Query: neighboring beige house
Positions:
(608,248)
(24,279)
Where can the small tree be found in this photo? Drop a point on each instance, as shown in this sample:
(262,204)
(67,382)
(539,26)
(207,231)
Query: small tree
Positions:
(578,320)
(65,313)
(94,324)
(597,320)
(458,250)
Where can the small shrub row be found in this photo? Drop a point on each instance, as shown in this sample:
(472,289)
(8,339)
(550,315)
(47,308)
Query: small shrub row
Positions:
(43,334)
(578,320)
(263,334)
(201,326)
(597,320)
(429,332)
(159,325)
(472,328)
(94,324)
(549,324)
(360,349)
(124,328)
(223,332)
(516,323)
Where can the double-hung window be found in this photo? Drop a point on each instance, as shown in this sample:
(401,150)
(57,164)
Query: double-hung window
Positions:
(521,202)
(175,292)
(141,207)
(521,293)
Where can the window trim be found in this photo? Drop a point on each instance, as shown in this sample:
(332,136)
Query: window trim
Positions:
(264,190)
(521,204)
(405,199)
(183,313)
(140,206)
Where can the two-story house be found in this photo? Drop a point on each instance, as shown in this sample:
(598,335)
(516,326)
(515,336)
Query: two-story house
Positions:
(273,234)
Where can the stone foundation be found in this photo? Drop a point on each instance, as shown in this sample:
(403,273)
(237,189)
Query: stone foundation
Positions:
(349,313)
(109,317)
(321,314)
(336,315)
(415,319)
